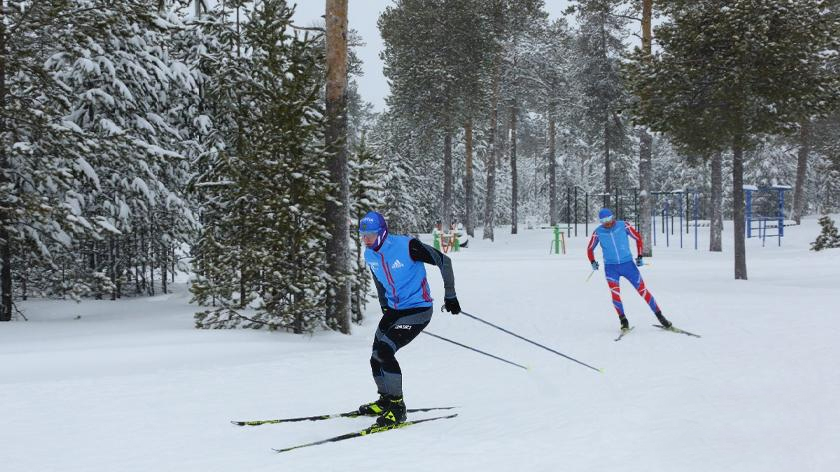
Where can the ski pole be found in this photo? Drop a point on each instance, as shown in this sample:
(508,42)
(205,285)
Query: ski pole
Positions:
(532,342)
(590,275)
(474,349)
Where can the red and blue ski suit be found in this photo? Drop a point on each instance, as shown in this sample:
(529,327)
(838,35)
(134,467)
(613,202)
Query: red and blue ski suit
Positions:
(618,261)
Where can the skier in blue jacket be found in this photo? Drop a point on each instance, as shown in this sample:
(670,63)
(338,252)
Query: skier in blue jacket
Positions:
(613,236)
(396,263)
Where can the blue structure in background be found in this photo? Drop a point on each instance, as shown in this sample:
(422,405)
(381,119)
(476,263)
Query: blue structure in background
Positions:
(667,213)
(761,221)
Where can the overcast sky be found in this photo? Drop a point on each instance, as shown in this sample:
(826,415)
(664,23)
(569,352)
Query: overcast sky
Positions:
(362,16)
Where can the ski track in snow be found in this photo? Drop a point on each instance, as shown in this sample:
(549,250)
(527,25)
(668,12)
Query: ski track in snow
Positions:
(132,386)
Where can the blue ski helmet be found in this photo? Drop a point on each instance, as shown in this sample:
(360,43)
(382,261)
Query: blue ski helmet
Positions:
(374,222)
(605,215)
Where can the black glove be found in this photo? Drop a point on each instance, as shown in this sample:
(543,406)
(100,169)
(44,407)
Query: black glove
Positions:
(451,305)
(639,261)
(594,265)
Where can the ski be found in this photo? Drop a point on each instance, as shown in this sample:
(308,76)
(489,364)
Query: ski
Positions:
(365,432)
(677,330)
(349,414)
(623,332)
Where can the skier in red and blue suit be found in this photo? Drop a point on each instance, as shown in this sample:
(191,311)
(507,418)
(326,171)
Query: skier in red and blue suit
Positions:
(397,264)
(613,235)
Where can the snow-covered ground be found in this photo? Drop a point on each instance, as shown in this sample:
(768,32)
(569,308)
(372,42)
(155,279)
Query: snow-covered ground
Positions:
(131,385)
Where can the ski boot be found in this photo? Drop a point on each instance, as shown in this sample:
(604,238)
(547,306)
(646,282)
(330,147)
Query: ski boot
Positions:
(394,412)
(625,326)
(662,320)
(375,408)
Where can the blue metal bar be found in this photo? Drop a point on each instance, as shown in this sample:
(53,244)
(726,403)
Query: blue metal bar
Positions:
(749,212)
(781,214)
(681,220)
(695,219)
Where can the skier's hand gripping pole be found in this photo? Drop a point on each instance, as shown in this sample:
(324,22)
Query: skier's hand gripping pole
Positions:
(594,268)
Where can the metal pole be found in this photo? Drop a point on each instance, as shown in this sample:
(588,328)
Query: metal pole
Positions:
(654,204)
(568,210)
(528,340)
(696,196)
(681,221)
(586,213)
(749,212)
(781,214)
(474,349)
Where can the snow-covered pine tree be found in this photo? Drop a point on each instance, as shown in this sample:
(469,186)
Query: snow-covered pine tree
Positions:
(264,186)
(41,149)
(410,186)
(89,84)
(604,94)
(124,85)
(829,236)
(366,194)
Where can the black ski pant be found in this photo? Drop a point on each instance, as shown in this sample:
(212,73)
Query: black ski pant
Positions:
(396,329)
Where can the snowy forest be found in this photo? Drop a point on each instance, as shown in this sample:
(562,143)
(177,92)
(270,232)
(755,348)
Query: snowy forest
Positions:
(147,138)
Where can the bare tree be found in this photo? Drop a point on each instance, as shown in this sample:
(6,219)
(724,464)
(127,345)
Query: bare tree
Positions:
(645,149)
(5,237)
(514,187)
(337,210)
(552,163)
(492,157)
(716,230)
(801,169)
(738,208)
(469,224)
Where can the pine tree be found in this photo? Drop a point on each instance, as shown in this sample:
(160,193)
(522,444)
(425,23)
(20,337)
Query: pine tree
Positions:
(725,76)
(91,160)
(366,187)
(602,86)
(829,236)
(263,182)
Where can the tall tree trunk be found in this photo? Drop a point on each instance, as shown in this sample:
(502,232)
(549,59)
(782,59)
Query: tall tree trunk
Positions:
(5,272)
(606,111)
(514,181)
(112,267)
(552,164)
(164,263)
(492,158)
(447,179)
(645,150)
(645,215)
(5,237)
(337,211)
(468,178)
(738,209)
(607,160)
(716,230)
(801,170)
